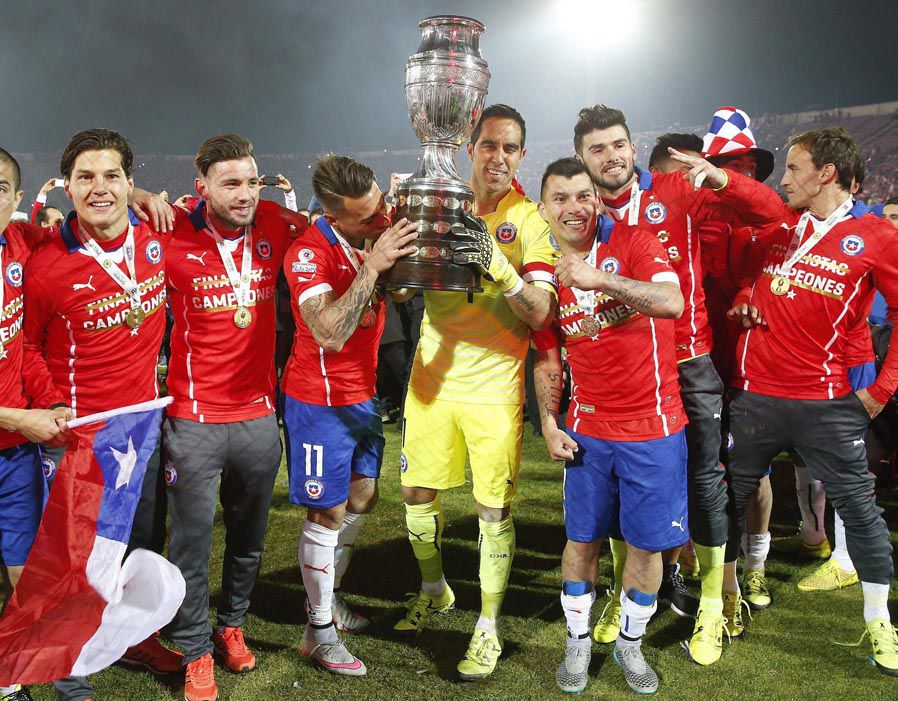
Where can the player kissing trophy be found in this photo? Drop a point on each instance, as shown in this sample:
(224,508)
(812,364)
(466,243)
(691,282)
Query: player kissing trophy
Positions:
(446,83)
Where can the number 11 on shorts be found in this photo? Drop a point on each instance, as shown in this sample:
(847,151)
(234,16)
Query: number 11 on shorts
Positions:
(319,452)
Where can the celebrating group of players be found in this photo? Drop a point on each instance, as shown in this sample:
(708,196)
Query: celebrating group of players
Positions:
(605,271)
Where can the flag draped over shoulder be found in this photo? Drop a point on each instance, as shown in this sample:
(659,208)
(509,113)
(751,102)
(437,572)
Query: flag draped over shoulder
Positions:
(77,606)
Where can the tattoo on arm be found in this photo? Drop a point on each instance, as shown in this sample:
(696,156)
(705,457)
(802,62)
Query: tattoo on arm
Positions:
(548,384)
(644,297)
(533,305)
(521,298)
(333,321)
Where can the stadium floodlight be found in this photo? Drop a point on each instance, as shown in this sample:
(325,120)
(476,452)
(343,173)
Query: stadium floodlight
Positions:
(599,22)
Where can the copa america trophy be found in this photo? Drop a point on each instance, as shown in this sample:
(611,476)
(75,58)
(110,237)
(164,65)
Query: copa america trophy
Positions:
(445,85)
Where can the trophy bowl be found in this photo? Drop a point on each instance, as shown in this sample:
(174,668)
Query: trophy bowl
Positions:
(446,83)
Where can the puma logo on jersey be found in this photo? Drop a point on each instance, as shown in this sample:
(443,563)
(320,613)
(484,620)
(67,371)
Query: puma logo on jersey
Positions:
(84,285)
(199,258)
(857,442)
(717,416)
(678,524)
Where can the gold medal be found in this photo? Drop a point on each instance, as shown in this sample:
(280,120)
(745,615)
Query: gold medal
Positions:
(243,317)
(589,326)
(779,285)
(135,317)
(368,318)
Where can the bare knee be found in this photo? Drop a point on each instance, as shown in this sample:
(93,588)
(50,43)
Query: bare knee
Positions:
(414,496)
(329,518)
(363,495)
(491,514)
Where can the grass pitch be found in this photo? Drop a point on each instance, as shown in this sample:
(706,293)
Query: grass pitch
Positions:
(787,653)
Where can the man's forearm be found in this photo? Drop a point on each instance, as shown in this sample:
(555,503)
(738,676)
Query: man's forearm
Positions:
(532,305)
(659,299)
(548,384)
(333,322)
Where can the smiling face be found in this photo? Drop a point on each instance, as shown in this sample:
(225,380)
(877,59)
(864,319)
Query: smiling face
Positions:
(231,191)
(495,157)
(99,190)
(610,157)
(570,205)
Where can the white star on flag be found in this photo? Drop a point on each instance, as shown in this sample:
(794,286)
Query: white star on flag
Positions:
(126,462)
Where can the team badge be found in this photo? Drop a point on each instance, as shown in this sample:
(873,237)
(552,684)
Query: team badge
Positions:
(171,475)
(610,265)
(306,254)
(48,466)
(403,463)
(154,251)
(314,489)
(655,213)
(263,248)
(852,245)
(14,273)
(507,232)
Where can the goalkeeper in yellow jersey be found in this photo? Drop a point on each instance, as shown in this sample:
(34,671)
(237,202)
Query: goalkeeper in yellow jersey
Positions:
(466,391)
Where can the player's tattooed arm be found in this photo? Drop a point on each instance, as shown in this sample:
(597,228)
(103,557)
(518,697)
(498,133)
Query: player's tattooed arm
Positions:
(533,305)
(659,299)
(547,377)
(333,320)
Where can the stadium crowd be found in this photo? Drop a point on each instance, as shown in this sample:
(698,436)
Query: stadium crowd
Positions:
(685,325)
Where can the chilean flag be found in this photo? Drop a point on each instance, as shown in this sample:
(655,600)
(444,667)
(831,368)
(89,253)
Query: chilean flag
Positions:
(77,607)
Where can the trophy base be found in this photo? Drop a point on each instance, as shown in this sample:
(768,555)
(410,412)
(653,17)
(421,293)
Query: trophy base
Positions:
(435,207)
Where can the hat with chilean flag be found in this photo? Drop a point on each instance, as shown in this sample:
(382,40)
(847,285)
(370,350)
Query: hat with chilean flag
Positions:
(730,135)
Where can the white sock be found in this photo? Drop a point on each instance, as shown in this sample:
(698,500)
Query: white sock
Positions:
(434,588)
(487,624)
(7,690)
(755,546)
(840,552)
(577,610)
(811,503)
(316,563)
(876,601)
(634,618)
(349,533)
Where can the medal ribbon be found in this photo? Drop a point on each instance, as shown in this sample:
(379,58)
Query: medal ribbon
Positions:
(586,299)
(127,283)
(348,250)
(635,202)
(820,231)
(2,284)
(240,282)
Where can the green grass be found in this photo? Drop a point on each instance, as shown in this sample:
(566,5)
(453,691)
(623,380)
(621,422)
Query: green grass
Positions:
(788,652)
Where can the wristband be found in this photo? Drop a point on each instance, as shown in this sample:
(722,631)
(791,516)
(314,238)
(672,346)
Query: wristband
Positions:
(516,287)
(726,181)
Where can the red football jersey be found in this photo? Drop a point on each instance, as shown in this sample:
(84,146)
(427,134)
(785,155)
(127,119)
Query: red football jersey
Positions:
(218,372)
(672,209)
(78,349)
(804,351)
(318,262)
(18,241)
(624,380)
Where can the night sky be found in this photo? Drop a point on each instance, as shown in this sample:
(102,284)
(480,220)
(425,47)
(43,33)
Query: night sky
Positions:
(296,75)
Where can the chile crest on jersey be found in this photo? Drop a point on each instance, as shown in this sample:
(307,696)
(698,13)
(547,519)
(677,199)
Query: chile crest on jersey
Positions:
(14,273)
(154,251)
(852,245)
(655,213)
(610,265)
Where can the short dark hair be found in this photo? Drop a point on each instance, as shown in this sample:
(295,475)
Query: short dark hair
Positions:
(500,111)
(224,147)
(833,145)
(568,167)
(681,142)
(891,200)
(96,140)
(6,157)
(336,177)
(43,214)
(597,117)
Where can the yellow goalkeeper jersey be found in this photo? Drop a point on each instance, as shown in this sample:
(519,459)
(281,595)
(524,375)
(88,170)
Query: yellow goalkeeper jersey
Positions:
(474,352)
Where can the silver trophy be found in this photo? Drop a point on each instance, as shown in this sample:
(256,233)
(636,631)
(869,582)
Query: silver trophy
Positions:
(446,83)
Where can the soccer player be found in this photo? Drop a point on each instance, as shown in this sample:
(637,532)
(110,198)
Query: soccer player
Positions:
(466,387)
(625,449)
(660,160)
(332,423)
(22,484)
(96,296)
(816,275)
(671,207)
(221,438)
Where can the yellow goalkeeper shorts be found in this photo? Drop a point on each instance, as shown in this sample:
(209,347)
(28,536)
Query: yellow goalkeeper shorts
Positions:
(436,435)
